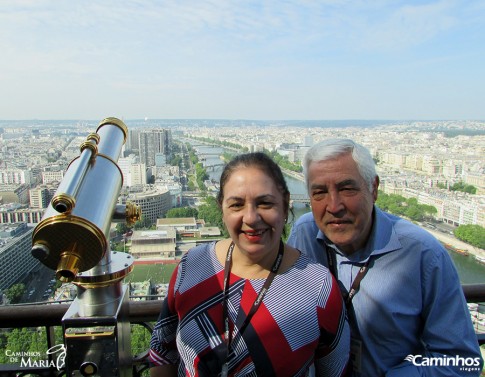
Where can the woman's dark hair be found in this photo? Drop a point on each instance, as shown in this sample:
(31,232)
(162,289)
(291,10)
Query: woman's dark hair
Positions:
(265,164)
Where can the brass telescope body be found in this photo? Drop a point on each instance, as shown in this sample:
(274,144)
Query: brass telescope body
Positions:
(73,239)
(74,232)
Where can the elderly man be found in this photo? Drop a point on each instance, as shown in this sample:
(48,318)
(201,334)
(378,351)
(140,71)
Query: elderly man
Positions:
(405,304)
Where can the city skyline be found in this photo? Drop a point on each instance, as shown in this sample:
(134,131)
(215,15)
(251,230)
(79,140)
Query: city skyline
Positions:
(337,60)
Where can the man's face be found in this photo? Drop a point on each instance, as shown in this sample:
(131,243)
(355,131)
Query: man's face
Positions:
(341,202)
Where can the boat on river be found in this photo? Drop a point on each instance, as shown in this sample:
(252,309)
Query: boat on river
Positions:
(456,250)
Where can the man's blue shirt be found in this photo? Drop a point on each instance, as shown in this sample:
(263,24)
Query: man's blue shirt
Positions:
(410,303)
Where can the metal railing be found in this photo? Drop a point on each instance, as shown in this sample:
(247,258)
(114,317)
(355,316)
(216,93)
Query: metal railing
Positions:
(49,315)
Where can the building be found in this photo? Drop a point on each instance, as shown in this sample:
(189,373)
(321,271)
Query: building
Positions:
(160,159)
(124,163)
(40,197)
(153,201)
(477,180)
(138,175)
(153,244)
(452,208)
(307,141)
(15,176)
(209,232)
(188,227)
(184,226)
(133,140)
(134,173)
(52,176)
(152,143)
(15,258)
(14,193)
(16,213)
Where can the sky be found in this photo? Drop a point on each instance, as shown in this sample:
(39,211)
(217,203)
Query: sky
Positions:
(225,59)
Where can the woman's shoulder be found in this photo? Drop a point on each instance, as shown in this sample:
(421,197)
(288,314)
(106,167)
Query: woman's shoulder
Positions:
(201,249)
(197,254)
(197,265)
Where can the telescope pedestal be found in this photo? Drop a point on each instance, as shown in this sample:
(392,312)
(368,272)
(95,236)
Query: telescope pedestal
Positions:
(98,344)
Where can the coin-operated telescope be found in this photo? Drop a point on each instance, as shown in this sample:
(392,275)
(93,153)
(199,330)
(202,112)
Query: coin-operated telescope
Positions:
(73,239)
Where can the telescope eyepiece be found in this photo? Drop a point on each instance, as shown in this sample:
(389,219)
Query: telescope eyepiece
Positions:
(63,203)
(65,276)
(61,207)
(68,267)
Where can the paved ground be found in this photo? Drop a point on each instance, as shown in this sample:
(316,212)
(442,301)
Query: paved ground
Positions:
(38,281)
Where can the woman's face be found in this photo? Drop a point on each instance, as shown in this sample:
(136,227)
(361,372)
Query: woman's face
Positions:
(253,211)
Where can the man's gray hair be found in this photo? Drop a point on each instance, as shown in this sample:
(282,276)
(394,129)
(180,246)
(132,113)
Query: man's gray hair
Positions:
(332,148)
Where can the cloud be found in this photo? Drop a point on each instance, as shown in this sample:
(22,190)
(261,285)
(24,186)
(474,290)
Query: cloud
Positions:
(227,51)
(408,26)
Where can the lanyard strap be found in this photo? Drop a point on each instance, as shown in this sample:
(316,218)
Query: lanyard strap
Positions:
(355,284)
(257,301)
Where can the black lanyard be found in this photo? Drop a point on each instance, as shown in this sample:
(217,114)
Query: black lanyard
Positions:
(355,284)
(257,301)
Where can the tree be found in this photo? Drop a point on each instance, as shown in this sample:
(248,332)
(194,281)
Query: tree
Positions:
(212,214)
(412,202)
(441,185)
(143,223)
(472,234)
(175,161)
(122,228)
(32,340)
(429,209)
(461,186)
(201,175)
(181,212)
(191,186)
(401,206)
(283,161)
(414,213)
(15,292)
(140,339)
(18,340)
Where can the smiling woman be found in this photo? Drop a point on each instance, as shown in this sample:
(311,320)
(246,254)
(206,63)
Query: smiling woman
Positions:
(223,314)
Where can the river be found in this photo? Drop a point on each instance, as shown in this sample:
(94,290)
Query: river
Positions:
(469,270)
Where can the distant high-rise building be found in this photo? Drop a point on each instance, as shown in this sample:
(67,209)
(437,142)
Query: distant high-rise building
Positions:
(40,197)
(125,164)
(138,175)
(133,140)
(15,257)
(153,142)
(160,159)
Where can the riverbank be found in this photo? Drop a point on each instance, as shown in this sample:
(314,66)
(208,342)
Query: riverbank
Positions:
(456,243)
(293,174)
